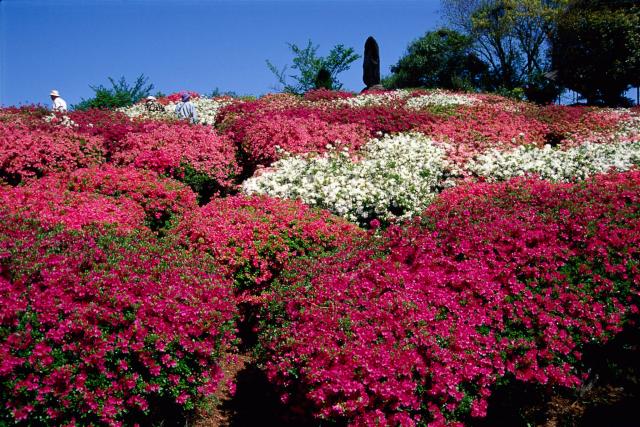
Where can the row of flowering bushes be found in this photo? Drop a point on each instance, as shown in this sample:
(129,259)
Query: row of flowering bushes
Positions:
(120,293)
(98,326)
(31,146)
(103,321)
(494,281)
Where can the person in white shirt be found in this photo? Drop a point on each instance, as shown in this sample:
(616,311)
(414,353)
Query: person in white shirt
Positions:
(59,104)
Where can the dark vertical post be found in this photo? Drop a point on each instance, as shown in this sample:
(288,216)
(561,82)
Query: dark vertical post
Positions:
(371,63)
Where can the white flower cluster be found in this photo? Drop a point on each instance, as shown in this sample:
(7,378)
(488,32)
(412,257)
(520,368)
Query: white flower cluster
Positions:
(373,99)
(396,176)
(61,120)
(554,163)
(207,108)
(439,98)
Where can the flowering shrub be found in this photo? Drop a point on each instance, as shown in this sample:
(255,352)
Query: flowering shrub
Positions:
(554,163)
(96,328)
(438,98)
(193,154)
(394,176)
(163,200)
(30,152)
(53,207)
(375,99)
(379,119)
(495,281)
(235,119)
(326,95)
(177,96)
(111,126)
(253,238)
(268,134)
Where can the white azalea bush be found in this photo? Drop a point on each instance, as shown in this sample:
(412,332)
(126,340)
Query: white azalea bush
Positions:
(374,99)
(439,98)
(208,109)
(395,176)
(554,163)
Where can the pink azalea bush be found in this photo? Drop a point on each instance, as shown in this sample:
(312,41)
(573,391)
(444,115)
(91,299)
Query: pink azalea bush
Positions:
(326,95)
(163,200)
(494,282)
(267,134)
(254,238)
(470,131)
(52,208)
(98,328)
(111,126)
(177,97)
(194,154)
(27,152)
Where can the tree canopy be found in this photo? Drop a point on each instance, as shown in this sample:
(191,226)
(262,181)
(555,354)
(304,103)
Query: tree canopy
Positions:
(308,64)
(442,58)
(120,94)
(596,49)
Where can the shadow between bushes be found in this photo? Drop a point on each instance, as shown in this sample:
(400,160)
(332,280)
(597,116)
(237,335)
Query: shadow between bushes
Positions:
(256,403)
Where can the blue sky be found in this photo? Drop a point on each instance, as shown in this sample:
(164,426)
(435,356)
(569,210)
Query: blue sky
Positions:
(188,44)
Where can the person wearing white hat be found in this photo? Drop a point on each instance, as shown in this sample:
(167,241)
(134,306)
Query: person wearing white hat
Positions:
(59,105)
(152,105)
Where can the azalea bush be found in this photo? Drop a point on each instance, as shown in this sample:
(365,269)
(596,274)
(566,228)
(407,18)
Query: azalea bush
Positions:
(52,207)
(163,200)
(254,238)
(196,155)
(494,282)
(394,176)
(27,152)
(556,164)
(98,327)
(268,137)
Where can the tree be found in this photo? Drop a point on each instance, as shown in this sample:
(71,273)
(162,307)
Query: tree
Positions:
(120,94)
(511,36)
(596,49)
(442,58)
(308,65)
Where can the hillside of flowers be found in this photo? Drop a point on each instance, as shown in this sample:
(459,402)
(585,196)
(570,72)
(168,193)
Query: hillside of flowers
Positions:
(387,258)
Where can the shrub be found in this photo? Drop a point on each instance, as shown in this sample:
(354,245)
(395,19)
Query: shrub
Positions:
(163,200)
(193,154)
(30,152)
(495,281)
(52,207)
(267,134)
(97,328)
(254,238)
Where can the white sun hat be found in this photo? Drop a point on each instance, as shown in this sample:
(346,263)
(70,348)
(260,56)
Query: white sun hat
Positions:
(151,98)
(54,93)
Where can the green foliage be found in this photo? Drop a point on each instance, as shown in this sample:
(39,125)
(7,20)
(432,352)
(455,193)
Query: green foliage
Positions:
(596,49)
(308,64)
(441,58)
(120,94)
(217,93)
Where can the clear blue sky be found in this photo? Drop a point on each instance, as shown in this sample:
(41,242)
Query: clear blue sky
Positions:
(188,44)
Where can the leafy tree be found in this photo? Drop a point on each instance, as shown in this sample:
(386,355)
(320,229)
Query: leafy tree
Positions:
(120,94)
(442,58)
(512,37)
(596,49)
(308,64)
